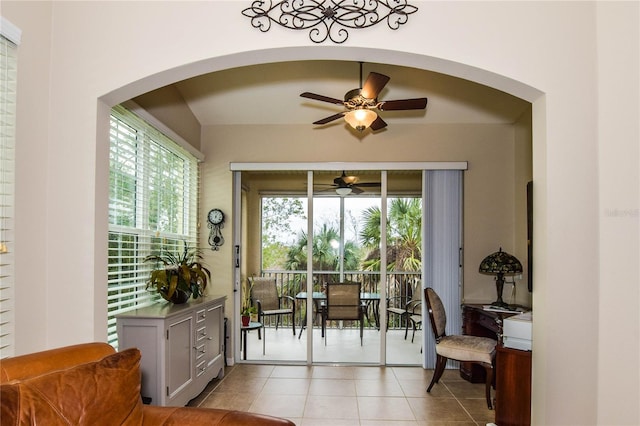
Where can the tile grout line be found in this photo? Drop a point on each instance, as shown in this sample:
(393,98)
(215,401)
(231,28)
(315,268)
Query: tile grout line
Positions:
(460,403)
(202,400)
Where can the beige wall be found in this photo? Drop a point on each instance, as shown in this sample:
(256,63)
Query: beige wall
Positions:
(33,191)
(522,175)
(577,62)
(167,105)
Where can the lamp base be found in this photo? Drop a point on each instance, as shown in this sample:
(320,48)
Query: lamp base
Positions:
(500,304)
(499,287)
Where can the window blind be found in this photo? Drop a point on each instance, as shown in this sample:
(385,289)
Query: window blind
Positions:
(153,204)
(442,248)
(8,76)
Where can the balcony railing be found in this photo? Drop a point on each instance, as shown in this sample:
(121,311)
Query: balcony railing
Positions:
(399,286)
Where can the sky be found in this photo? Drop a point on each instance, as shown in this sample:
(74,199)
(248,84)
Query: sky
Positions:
(327,210)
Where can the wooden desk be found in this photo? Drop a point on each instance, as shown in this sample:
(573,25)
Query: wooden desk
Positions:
(513,387)
(478,322)
(512,369)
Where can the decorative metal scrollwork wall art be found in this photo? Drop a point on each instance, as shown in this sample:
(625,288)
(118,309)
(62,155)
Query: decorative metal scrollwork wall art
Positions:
(328,19)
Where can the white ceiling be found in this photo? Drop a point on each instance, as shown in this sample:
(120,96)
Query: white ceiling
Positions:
(270,94)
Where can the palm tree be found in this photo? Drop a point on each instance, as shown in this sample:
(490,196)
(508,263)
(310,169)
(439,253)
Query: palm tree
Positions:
(404,235)
(326,254)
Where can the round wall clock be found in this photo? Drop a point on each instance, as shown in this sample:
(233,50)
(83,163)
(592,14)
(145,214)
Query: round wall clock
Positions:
(215,220)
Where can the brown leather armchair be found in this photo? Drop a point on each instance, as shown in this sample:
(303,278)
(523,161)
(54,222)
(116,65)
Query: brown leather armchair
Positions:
(91,384)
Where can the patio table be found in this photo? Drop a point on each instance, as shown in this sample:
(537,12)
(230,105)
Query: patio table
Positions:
(243,336)
(371,299)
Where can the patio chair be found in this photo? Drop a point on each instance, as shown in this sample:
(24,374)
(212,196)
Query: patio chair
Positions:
(343,303)
(411,311)
(478,350)
(264,294)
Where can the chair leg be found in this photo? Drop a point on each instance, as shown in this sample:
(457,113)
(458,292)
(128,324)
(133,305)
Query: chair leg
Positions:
(361,330)
(323,328)
(441,362)
(406,327)
(324,333)
(293,322)
(489,369)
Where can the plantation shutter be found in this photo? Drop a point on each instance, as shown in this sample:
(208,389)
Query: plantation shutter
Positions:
(9,39)
(153,204)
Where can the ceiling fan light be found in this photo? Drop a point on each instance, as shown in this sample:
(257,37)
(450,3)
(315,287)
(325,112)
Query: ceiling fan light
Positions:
(360,118)
(343,190)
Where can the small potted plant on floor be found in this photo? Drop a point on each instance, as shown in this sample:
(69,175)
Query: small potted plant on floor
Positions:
(180,276)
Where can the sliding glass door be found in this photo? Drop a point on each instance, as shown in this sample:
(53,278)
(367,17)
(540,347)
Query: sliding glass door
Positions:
(318,227)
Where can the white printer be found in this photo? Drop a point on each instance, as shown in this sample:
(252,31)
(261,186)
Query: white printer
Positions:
(516,331)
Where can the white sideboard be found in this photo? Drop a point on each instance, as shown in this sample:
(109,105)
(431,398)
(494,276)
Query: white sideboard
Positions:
(182,347)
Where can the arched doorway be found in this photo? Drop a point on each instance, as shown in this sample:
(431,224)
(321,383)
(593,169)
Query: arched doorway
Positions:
(426,63)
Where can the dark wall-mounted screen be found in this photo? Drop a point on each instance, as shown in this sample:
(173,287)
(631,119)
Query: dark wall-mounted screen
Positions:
(530,235)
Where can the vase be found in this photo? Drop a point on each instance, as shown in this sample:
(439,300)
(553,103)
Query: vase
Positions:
(246,319)
(180,296)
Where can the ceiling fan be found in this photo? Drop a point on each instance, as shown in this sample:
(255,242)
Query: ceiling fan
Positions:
(345,185)
(360,104)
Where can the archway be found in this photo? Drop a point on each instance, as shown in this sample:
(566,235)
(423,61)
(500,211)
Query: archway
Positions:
(290,54)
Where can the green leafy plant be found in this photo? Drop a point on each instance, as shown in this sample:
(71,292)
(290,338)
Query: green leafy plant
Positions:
(180,273)
(247,309)
(251,310)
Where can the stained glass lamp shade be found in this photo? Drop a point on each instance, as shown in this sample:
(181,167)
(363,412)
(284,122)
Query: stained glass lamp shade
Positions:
(500,264)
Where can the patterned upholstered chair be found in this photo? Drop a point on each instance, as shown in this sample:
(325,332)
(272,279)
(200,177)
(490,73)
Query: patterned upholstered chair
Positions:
(478,350)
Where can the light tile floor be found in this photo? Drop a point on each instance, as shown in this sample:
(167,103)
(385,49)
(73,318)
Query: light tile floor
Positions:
(349,395)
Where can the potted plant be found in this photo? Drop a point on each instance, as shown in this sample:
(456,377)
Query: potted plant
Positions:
(246,315)
(247,310)
(181,276)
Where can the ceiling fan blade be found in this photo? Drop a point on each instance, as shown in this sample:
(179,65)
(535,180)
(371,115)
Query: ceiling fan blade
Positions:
(374,85)
(403,104)
(345,180)
(378,124)
(330,118)
(368,184)
(332,188)
(322,98)
(356,190)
